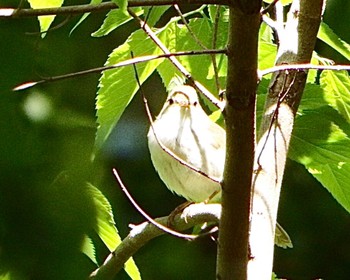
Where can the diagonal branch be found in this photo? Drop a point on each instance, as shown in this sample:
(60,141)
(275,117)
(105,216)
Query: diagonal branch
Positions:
(141,234)
(113,66)
(176,62)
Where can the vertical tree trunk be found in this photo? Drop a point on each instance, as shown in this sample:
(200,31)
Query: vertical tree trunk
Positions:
(297,43)
(240,136)
(237,259)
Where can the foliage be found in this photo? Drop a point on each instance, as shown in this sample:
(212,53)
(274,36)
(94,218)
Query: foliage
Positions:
(331,168)
(321,137)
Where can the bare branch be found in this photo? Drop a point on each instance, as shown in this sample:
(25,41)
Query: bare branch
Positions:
(80,9)
(146,216)
(302,67)
(131,61)
(141,234)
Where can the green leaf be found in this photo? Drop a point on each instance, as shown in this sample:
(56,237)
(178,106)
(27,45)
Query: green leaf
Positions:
(113,20)
(105,225)
(106,230)
(200,66)
(321,142)
(312,98)
(118,86)
(336,85)
(122,5)
(6,276)
(267,55)
(224,13)
(154,13)
(45,21)
(265,33)
(88,249)
(326,34)
(84,16)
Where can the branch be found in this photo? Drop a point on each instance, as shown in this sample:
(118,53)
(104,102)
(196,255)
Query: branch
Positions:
(176,62)
(141,234)
(297,41)
(80,9)
(302,66)
(239,116)
(127,62)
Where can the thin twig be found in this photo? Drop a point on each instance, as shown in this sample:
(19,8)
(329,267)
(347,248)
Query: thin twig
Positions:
(117,65)
(269,7)
(141,234)
(169,152)
(194,36)
(305,66)
(176,62)
(213,45)
(58,26)
(146,216)
(162,146)
(88,8)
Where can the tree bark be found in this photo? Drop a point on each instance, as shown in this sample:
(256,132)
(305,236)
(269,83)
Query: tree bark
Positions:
(297,41)
(239,116)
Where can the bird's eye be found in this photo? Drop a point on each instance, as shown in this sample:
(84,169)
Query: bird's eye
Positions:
(171,101)
(195,103)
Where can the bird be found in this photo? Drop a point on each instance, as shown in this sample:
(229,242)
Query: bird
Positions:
(183,128)
(188,150)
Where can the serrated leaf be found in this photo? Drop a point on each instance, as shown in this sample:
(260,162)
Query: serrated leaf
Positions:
(114,19)
(265,33)
(106,230)
(122,5)
(84,16)
(105,225)
(336,87)
(321,142)
(88,249)
(327,35)
(118,86)
(200,66)
(45,21)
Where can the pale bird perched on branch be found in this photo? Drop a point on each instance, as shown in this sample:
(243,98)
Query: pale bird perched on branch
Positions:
(188,150)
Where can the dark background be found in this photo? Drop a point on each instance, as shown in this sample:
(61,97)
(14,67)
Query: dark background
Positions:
(47,136)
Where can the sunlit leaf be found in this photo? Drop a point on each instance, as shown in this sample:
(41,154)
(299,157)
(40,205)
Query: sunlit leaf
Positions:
(321,142)
(327,35)
(84,16)
(336,87)
(106,230)
(45,21)
(122,5)
(118,86)
(267,55)
(114,19)
(200,66)
(105,225)
(88,249)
